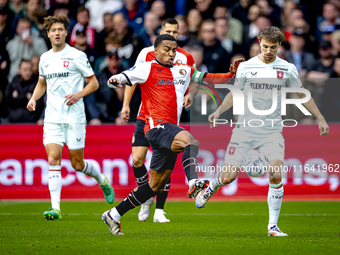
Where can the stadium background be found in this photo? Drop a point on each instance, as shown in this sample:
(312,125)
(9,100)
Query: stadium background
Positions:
(23,164)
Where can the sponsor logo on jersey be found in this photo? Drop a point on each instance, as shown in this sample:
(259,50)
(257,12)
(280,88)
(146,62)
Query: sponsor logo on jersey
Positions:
(56,75)
(280,75)
(231,150)
(179,61)
(280,68)
(255,85)
(66,63)
(170,82)
(253,74)
(183,72)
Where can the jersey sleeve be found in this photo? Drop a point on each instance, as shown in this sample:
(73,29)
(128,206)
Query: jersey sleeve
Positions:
(41,70)
(84,66)
(140,58)
(240,77)
(294,80)
(210,78)
(137,74)
(191,61)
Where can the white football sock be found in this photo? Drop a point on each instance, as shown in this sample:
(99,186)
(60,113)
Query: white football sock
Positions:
(216,182)
(90,170)
(192,183)
(159,211)
(275,195)
(54,185)
(115,214)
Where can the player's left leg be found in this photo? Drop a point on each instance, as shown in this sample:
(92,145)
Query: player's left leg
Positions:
(273,147)
(159,215)
(75,139)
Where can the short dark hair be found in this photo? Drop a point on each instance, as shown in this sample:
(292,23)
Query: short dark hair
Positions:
(24,61)
(271,34)
(164,37)
(170,21)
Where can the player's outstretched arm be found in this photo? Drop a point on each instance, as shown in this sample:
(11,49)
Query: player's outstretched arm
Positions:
(91,87)
(38,92)
(311,106)
(125,113)
(226,105)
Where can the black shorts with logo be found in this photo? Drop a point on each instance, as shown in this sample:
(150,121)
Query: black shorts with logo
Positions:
(138,138)
(160,138)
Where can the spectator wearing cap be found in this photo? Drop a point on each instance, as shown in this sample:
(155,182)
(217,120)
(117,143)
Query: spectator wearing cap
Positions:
(98,8)
(23,46)
(331,20)
(302,59)
(335,41)
(83,18)
(330,103)
(105,104)
(5,27)
(82,45)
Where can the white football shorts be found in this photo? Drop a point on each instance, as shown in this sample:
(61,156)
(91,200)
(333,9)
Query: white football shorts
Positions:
(73,134)
(271,145)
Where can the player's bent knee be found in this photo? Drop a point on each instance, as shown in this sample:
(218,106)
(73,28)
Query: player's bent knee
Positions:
(53,161)
(137,161)
(227,180)
(275,179)
(77,165)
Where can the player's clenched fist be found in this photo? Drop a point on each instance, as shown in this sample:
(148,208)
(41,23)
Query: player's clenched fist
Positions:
(113,83)
(212,118)
(31,105)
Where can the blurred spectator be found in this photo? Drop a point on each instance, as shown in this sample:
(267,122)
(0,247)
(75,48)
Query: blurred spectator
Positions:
(240,11)
(19,92)
(335,41)
(132,44)
(151,28)
(62,8)
(272,11)
(134,11)
(330,103)
(281,52)
(18,7)
(206,7)
(33,11)
(311,44)
(331,19)
(221,28)
(216,57)
(5,27)
(236,57)
(23,46)
(159,8)
(11,16)
(198,54)
(83,18)
(250,36)
(183,32)
(35,67)
(302,59)
(251,30)
(98,8)
(105,104)
(4,68)
(287,9)
(295,14)
(235,31)
(194,24)
(255,49)
(326,32)
(100,37)
(323,66)
(81,44)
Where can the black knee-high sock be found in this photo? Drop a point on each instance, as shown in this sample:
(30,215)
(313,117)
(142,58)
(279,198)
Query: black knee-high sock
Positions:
(136,197)
(161,197)
(141,175)
(189,161)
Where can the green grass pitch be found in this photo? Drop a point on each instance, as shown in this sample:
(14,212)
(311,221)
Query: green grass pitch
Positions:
(221,228)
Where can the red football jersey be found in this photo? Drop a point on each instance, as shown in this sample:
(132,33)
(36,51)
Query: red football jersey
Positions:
(148,54)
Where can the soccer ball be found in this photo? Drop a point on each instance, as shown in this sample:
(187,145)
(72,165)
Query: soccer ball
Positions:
(255,163)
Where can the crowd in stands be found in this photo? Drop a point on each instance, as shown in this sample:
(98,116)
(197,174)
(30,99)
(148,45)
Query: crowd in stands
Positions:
(113,32)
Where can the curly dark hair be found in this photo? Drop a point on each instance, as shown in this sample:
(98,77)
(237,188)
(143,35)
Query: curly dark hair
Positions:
(271,34)
(164,37)
(60,18)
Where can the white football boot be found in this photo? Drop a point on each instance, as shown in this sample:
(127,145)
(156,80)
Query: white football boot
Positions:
(159,217)
(113,226)
(203,197)
(275,231)
(144,211)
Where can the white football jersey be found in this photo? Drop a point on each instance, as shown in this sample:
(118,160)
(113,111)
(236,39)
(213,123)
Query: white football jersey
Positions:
(261,79)
(64,72)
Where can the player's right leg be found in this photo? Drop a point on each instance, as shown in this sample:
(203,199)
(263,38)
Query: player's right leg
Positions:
(54,142)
